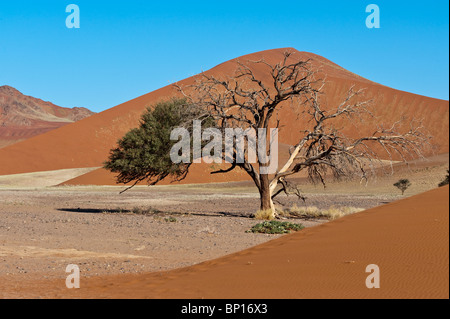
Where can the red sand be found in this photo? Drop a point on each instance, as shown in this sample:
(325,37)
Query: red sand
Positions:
(87,143)
(198,174)
(408,240)
(13,134)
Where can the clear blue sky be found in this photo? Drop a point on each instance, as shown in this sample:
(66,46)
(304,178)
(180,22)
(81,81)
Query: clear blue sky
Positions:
(124,49)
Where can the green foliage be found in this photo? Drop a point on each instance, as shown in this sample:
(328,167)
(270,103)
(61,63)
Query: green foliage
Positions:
(170,220)
(445,181)
(144,152)
(275,227)
(403,185)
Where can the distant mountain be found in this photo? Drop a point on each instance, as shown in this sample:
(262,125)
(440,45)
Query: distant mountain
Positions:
(22,117)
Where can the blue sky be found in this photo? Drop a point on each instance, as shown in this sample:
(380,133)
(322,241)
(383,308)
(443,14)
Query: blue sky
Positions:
(124,49)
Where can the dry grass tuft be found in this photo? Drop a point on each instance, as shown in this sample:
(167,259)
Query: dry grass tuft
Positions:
(264,214)
(312,212)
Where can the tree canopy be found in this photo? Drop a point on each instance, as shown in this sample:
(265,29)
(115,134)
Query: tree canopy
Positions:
(144,152)
(403,185)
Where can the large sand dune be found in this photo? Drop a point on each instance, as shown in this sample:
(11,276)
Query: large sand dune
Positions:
(407,239)
(87,143)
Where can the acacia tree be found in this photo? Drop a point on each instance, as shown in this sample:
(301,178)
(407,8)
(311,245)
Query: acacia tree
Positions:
(403,185)
(143,154)
(253,100)
(248,100)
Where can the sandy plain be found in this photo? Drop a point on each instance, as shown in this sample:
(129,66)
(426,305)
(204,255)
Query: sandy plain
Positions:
(150,230)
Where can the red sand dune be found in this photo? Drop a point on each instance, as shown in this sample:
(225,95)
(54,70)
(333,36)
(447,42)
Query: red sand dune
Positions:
(22,117)
(14,134)
(408,240)
(198,174)
(87,143)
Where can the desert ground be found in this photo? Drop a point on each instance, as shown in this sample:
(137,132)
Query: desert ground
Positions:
(151,230)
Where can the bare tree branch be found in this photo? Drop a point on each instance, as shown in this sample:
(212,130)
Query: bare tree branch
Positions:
(246,100)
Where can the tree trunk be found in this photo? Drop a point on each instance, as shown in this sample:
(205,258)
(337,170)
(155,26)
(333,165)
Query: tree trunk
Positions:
(266,195)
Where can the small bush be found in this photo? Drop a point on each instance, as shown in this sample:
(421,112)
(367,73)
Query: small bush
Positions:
(170,220)
(138,211)
(403,185)
(275,227)
(445,181)
(119,210)
(145,211)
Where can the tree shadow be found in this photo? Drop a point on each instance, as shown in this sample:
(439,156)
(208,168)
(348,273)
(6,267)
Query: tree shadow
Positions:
(94,211)
(150,212)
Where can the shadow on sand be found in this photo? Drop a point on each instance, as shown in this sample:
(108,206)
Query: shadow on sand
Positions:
(149,212)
